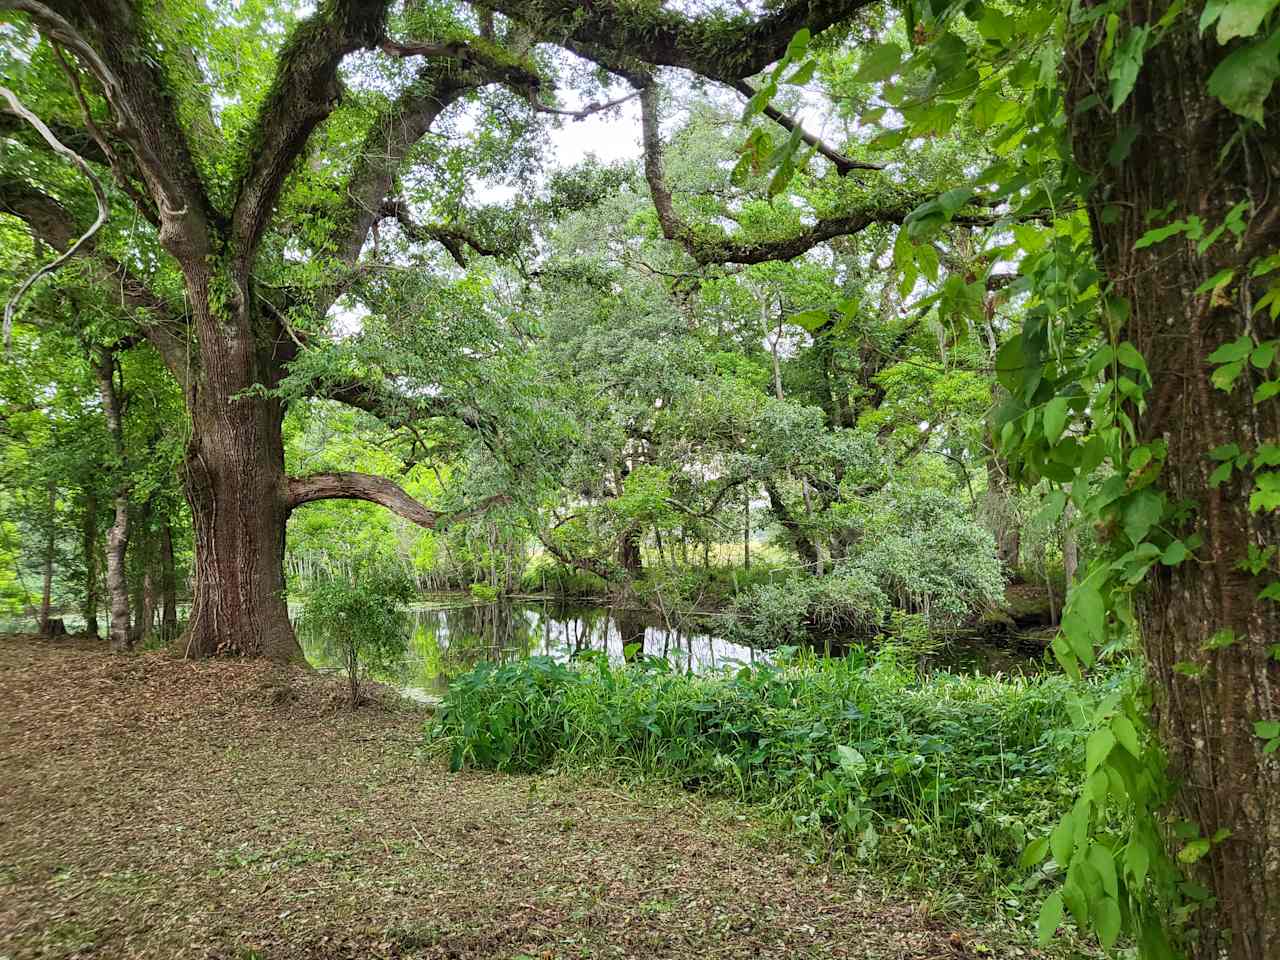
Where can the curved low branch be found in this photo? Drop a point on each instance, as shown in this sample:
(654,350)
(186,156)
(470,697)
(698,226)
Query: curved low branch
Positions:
(346,485)
(17,107)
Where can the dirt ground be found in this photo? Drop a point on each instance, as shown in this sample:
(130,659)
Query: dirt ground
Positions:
(156,808)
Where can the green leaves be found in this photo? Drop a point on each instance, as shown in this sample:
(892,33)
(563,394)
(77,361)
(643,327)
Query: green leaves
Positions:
(1050,917)
(1127,64)
(1055,418)
(1244,79)
(1235,18)
(1268,730)
(879,63)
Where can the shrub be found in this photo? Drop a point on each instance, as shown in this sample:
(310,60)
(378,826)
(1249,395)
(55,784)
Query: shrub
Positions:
(774,614)
(361,621)
(924,553)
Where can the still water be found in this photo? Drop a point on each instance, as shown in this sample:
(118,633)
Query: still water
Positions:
(451,636)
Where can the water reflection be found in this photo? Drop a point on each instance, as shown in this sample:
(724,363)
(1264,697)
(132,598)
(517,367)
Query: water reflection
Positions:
(449,640)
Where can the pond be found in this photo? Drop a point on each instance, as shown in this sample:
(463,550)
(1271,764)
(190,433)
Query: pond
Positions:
(452,634)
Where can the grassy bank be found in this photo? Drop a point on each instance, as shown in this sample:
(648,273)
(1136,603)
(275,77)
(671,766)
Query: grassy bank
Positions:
(938,782)
(156,808)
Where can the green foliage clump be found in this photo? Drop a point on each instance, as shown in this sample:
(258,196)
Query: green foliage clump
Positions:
(361,621)
(790,611)
(860,755)
(930,558)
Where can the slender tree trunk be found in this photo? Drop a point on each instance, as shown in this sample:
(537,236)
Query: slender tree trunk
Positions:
(746,533)
(804,545)
(1000,516)
(629,556)
(1192,157)
(46,566)
(150,601)
(168,586)
(90,548)
(118,534)
(1070,546)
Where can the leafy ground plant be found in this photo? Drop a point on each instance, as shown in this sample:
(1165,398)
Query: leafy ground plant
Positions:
(869,761)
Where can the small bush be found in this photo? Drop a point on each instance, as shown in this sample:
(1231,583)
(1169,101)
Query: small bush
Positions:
(361,621)
(789,612)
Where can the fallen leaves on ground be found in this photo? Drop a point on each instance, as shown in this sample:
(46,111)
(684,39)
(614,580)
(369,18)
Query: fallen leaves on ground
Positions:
(158,808)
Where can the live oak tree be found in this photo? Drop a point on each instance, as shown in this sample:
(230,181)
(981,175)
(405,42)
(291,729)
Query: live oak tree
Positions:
(220,205)
(1126,158)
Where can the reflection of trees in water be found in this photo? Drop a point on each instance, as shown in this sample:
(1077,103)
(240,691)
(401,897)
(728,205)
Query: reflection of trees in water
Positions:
(448,641)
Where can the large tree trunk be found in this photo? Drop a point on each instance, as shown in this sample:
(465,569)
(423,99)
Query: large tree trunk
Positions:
(236,487)
(235,483)
(1190,159)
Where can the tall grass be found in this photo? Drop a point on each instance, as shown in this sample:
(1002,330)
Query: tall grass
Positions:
(935,777)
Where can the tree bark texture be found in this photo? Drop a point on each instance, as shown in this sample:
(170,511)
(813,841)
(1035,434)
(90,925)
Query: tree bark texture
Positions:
(118,534)
(1189,155)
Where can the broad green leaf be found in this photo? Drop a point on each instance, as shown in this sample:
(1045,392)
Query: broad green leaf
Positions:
(1160,234)
(1243,80)
(879,63)
(1055,418)
(1035,852)
(1217,281)
(1233,351)
(1050,917)
(1104,863)
(1142,513)
(1236,18)
(803,74)
(1106,921)
(1127,64)
(1137,859)
(1126,734)
(1097,748)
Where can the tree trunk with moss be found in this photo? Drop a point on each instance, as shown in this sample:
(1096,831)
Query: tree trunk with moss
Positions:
(1190,159)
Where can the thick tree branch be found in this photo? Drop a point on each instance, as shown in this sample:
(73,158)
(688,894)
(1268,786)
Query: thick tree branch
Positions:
(499,69)
(711,246)
(384,492)
(304,92)
(450,236)
(104,36)
(843,164)
(718,46)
